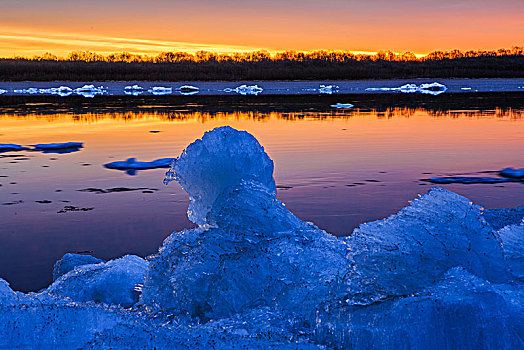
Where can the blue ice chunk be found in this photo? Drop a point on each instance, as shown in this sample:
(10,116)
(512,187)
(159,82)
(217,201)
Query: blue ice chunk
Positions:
(114,282)
(513,242)
(57,147)
(222,158)
(132,165)
(469,180)
(412,249)
(69,261)
(8,147)
(512,173)
(501,217)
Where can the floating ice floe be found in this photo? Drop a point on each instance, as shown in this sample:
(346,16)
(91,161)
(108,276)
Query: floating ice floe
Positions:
(431,89)
(2,91)
(468,180)
(7,147)
(30,91)
(188,90)
(246,90)
(90,90)
(512,173)
(506,175)
(134,90)
(60,91)
(342,105)
(131,165)
(441,273)
(63,147)
(160,90)
(328,89)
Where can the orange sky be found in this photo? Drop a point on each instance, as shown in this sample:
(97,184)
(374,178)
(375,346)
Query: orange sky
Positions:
(29,27)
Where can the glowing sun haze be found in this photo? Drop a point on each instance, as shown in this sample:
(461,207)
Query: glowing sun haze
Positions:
(29,27)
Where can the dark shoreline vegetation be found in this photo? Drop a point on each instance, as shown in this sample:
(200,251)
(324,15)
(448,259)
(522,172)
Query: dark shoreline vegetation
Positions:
(175,107)
(260,65)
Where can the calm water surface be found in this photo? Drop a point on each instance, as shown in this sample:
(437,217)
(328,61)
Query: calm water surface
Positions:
(334,168)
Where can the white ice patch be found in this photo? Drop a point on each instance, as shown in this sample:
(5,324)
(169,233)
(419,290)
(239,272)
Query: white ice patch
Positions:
(342,105)
(160,90)
(328,89)
(246,90)
(2,91)
(431,89)
(133,90)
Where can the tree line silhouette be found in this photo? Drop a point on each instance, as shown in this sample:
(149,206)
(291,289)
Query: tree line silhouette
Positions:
(261,65)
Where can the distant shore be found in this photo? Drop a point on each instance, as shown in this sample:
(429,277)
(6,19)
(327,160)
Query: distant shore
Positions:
(20,69)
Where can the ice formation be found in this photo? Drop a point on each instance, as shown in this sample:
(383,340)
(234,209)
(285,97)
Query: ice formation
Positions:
(69,261)
(134,90)
(62,147)
(90,90)
(116,282)
(160,90)
(8,147)
(505,175)
(328,89)
(131,165)
(87,90)
(2,91)
(441,273)
(512,173)
(246,90)
(430,89)
(342,105)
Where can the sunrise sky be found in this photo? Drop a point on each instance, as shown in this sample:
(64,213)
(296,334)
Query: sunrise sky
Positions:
(29,27)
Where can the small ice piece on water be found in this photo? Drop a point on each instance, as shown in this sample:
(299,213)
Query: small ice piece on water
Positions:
(90,90)
(60,91)
(188,87)
(408,88)
(69,261)
(246,90)
(131,165)
(113,282)
(431,89)
(133,87)
(465,88)
(134,90)
(468,180)
(2,91)
(8,147)
(188,90)
(64,147)
(160,90)
(342,105)
(512,173)
(328,89)
(30,91)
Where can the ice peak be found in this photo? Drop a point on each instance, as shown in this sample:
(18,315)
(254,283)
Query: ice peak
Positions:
(222,158)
